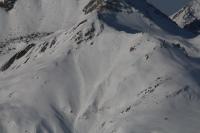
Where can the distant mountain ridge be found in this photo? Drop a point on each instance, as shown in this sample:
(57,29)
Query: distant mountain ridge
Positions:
(50,16)
(189,16)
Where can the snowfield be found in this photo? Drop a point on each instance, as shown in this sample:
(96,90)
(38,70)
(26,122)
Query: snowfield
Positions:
(118,66)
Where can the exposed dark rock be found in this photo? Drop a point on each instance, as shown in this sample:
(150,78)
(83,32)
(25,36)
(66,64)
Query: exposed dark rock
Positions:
(8,4)
(44,47)
(92,5)
(53,42)
(126,110)
(132,49)
(114,5)
(84,36)
(90,33)
(185,89)
(26,39)
(146,56)
(166,118)
(16,57)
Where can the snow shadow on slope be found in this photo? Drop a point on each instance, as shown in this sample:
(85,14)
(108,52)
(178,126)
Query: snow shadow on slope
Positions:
(193,26)
(194,69)
(112,21)
(159,18)
(63,122)
(44,127)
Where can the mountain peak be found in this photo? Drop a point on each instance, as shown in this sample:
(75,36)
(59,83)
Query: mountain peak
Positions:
(189,17)
(127,13)
(114,5)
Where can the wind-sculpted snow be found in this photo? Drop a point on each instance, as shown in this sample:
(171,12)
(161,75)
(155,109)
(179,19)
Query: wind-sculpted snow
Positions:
(101,76)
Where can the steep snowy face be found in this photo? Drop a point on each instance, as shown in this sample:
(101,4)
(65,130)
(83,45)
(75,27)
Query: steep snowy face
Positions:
(29,16)
(93,78)
(118,69)
(189,16)
(133,16)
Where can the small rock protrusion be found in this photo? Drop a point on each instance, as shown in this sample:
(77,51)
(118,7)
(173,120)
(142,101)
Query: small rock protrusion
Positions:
(132,49)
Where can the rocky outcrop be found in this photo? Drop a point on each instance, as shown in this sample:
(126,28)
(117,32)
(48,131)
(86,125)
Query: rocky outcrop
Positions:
(7,4)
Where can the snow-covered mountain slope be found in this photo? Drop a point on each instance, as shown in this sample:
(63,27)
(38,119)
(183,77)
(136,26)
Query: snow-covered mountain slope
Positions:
(30,16)
(189,16)
(117,70)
